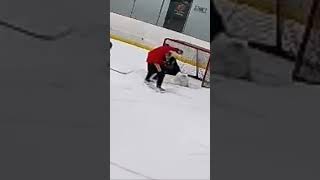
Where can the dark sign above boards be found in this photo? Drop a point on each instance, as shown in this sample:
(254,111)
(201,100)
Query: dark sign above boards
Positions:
(177,14)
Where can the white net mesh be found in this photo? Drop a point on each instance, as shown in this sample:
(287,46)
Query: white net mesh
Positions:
(194,59)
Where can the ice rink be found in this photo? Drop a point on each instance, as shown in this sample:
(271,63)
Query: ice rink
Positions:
(155,135)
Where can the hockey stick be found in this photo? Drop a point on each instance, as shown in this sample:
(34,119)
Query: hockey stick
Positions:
(121,72)
(131,171)
(34,34)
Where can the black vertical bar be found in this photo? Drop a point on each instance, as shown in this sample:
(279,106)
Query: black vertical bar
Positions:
(133,6)
(306,37)
(197,64)
(160,11)
(279,25)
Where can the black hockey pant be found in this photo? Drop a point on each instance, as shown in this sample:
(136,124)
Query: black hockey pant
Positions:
(152,69)
(172,70)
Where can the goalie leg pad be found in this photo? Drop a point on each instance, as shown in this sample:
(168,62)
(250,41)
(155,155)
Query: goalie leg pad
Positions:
(181,79)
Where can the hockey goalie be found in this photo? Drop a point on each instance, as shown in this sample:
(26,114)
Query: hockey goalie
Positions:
(175,76)
(173,72)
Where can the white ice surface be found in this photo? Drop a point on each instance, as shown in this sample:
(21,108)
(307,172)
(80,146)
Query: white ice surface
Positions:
(161,136)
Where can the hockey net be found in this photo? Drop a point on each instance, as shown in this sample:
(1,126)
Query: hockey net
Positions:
(276,26)
(194,61)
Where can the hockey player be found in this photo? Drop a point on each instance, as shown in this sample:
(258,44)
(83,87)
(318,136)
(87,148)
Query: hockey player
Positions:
(156,63)
(171,66)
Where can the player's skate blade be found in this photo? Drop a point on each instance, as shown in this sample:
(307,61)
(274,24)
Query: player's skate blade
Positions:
(161,90)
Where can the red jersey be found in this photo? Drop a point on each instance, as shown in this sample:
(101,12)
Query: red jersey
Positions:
(158,55)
